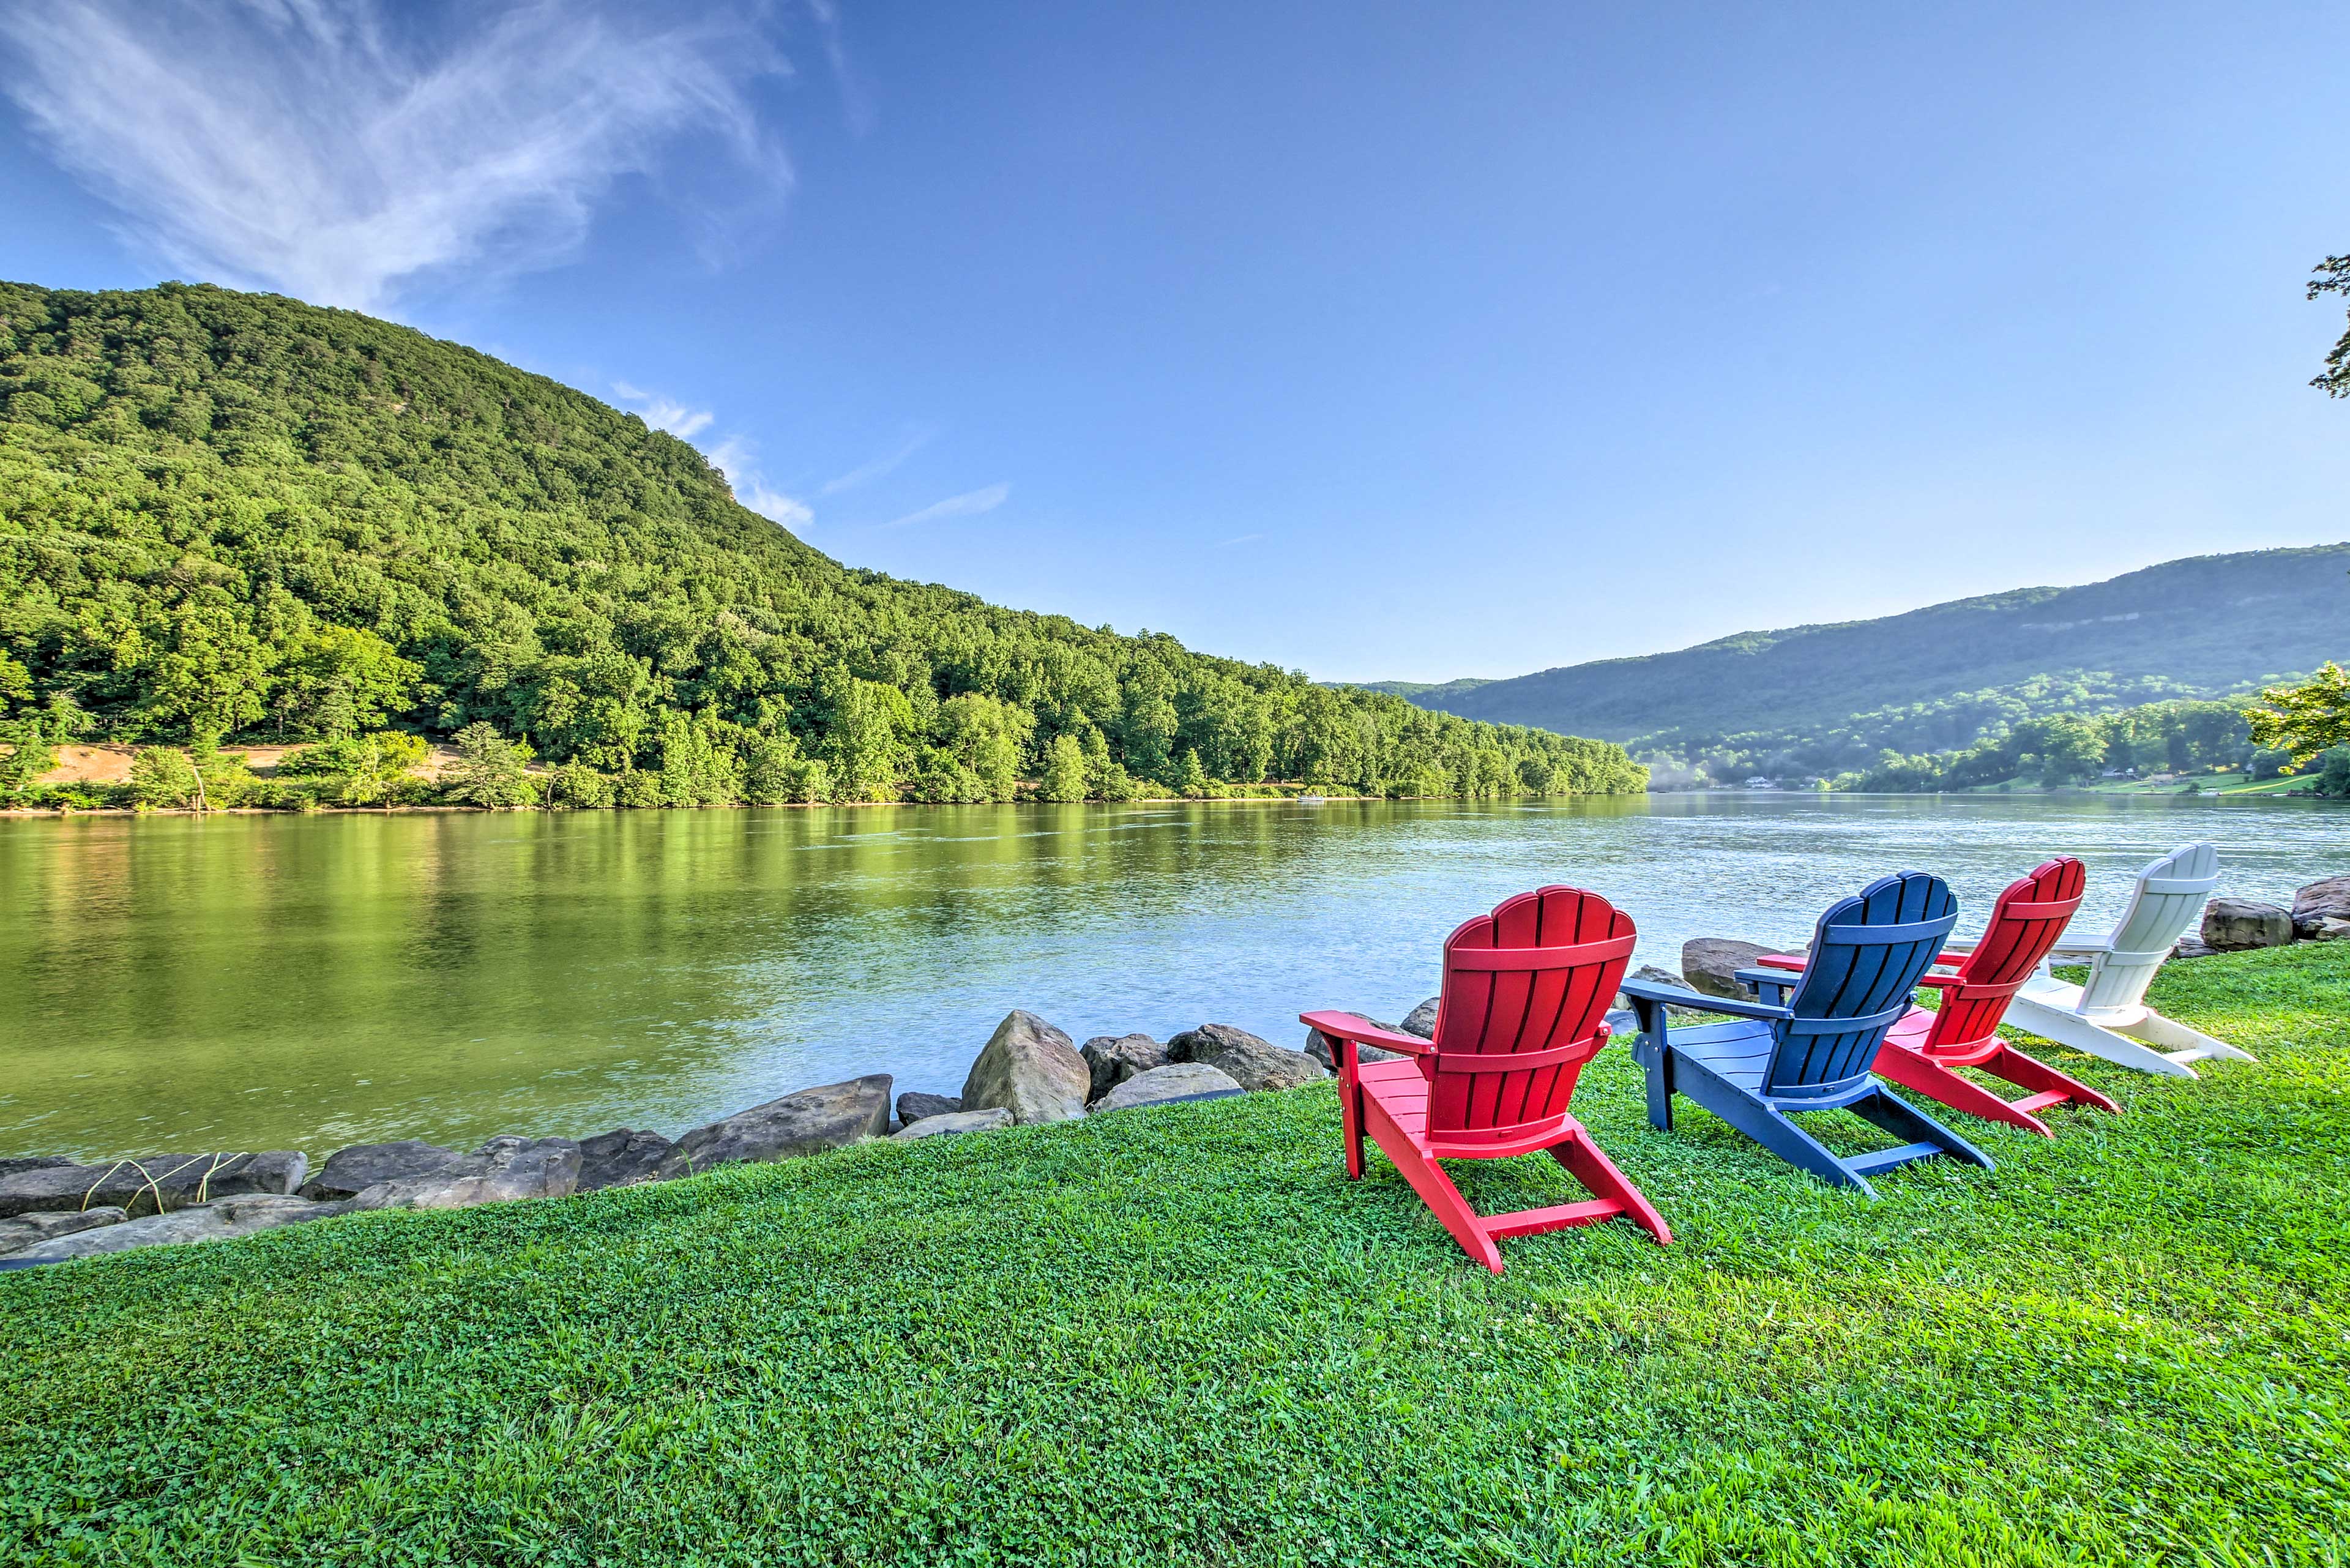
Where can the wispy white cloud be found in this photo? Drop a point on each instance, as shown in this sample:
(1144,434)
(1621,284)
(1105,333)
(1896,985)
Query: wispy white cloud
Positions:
(323,149)
(866,472)
(856,104)
(1238,539)
(738,459)
(664,413)
(970,503)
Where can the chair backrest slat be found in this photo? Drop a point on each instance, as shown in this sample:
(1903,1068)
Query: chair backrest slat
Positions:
(2169,898)
(1866,955)
(2029,918)
(1534,977)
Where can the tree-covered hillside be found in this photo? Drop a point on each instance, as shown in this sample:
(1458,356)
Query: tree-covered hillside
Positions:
(1825,700)
(227,514)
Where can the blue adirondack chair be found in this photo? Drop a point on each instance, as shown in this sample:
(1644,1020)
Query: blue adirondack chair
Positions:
(1774,1063)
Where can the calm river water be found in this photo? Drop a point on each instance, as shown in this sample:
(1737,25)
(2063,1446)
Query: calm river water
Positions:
(255,982)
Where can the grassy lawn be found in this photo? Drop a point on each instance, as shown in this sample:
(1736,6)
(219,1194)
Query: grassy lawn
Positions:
(1180,1335)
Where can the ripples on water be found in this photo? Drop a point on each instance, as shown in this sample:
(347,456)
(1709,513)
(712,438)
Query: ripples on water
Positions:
(311,981)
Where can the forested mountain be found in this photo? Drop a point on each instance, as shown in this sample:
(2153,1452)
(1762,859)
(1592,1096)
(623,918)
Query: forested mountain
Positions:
(227,514)
(1825,700)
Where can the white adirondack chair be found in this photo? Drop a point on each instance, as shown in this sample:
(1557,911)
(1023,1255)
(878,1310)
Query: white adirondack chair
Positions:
(2108,1017)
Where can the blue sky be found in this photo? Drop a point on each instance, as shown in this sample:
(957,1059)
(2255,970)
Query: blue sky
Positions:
(1371,339)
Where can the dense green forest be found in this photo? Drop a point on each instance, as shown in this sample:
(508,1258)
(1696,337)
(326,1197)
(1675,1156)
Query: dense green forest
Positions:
(1823,700)
(2182,738)
(228,516)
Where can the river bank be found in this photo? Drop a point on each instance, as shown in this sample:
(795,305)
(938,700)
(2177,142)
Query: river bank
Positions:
(1169,1335)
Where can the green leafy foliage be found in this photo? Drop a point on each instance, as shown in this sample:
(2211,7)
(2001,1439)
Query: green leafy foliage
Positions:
(491,770)
(2305,719)
(1180,1335)
(2333,276)
(2072,749)
(235,514)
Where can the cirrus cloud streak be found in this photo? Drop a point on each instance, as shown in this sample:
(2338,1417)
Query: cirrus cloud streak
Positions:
(328,152)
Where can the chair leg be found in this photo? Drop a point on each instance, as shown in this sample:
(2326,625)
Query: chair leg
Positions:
(1658,1062)
(1588,1163)
(2072,1030)
(1914,1070)
(2179,1044)
(2030,1073)
(1350,1119)
(1903,1120)
(1436,1190)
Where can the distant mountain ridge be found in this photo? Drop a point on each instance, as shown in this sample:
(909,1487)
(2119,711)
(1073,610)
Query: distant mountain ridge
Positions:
(1946,675)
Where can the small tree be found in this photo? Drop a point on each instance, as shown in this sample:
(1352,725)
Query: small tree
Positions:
(2333,276)
(1065,770)
(771,768)
(490,771)
(1190,778)
(374,776)
(576,782)
(2332,770)
(2305,719)
(25,755)
(163,775)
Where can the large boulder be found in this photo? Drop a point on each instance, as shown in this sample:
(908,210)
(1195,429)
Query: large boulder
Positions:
(1032,1070)
(1421,1020)
(913,1105)
(34,1162)
(1318,1045)
(1658,976)
(2320,911)
(218,1221)
(505,1169)
(2236,925)
(31,1229)
(807,1122)
(142,1185)
(621,1158)
(1711,963)
(1176,1081)
(352,1172)
(1112,1059)
(1253,1064)
(947,1124)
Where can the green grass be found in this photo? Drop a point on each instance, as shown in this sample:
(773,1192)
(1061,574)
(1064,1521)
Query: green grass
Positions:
(1180,1335)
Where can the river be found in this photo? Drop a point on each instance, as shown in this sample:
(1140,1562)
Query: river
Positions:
(173,983)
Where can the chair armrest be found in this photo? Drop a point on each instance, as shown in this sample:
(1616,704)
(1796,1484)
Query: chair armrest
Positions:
(1953,957)
(2081,950)
(1362,1031)
(1781,960)
(1771,985)
(1940,982)
(1646,994)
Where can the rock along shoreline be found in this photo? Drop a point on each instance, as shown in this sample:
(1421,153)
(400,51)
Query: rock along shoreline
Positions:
(1028,1074)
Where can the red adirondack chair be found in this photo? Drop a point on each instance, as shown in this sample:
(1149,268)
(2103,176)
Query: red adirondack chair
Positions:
(1524,992)
(1923,1051)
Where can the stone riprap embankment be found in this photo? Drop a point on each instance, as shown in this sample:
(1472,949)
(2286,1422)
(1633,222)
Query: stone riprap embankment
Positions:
(1028,1074)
